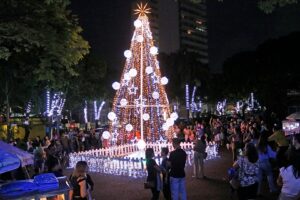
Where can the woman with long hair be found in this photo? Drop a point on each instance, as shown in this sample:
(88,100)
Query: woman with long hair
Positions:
(235,142)
(289,177)
(153,174)
(247,167)
(78,182)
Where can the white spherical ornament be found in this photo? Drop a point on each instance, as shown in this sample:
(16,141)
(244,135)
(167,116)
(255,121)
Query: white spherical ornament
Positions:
(137,23)
(164,80)
(123,102)
(149,70)
(174,116)
(165,127)
(127,77)
(127,54)
(155,95)
(141,144)
(146,116)
(106,135)
(111,116)
(153,50)
(132,72)
(140,38)
(116,85)
(170,122)
(128,127)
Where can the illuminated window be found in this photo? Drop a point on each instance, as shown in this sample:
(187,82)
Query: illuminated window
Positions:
(198,21)
(202,29)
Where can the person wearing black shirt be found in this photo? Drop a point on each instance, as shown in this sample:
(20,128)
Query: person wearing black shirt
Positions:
(78,180)
(177,174)
(153,173)
(165,171)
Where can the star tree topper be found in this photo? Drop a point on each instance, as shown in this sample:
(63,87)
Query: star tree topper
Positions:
(142,9)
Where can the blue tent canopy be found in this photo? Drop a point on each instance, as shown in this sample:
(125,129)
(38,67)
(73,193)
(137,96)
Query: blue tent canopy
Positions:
(8,162)
(12,157)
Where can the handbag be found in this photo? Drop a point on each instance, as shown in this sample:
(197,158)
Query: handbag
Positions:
(205,155)
(235,181)
(149,184)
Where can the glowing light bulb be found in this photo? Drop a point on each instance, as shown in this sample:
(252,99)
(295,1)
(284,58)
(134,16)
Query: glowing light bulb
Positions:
(149,70)
(141,145)
(123,102)
(127,54)
(132,72)
(170,122)
(127,77)
(174,115)
(137,23)
(111,116)
(106,135)
(153,50)
(116,85)
(146,116)
(128,127)
(155,95)
(140,38)
(165,127)
(164,80)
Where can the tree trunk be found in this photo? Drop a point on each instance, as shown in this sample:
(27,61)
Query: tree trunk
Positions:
(27,132)
(8,133)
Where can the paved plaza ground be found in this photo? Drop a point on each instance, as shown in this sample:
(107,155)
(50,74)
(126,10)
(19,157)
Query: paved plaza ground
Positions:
(216,187)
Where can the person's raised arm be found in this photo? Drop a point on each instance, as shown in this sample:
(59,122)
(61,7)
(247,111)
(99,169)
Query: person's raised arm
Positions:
(83,192)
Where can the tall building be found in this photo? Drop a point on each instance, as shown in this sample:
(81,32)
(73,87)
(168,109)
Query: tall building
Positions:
(193,28)
(179,25)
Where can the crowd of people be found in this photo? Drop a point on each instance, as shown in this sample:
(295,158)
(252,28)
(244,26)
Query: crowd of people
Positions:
(258,149)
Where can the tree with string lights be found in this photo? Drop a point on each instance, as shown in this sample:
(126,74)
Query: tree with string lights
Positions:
(141,108)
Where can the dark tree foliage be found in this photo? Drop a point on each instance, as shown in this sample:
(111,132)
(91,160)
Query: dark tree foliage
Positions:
(184,68)
(89,85)
(40,46)
(269,71)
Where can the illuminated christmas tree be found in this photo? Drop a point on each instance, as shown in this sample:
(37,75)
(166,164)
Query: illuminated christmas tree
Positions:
(141,107)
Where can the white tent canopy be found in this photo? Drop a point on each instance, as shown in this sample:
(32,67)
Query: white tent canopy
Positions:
(294,116)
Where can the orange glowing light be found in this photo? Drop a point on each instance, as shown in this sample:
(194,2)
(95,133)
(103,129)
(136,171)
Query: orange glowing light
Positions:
(142,10)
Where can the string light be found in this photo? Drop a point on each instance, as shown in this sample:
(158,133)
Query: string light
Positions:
(97,110)
(48,101)
(85,114)
(28,107)
(193,104)
(221,107)
(187,95)
(57,103)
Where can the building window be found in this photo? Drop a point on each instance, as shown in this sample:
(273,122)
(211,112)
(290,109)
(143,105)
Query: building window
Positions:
(198,21)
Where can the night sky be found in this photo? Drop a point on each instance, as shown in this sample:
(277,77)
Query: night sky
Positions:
(233,26)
